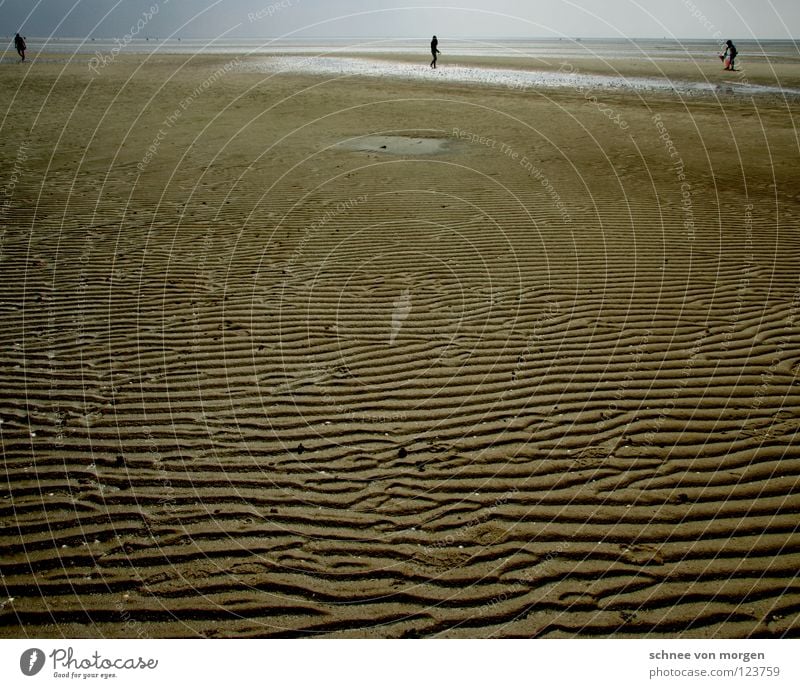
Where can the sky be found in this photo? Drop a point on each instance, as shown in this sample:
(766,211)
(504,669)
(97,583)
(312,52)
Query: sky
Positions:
(701,19)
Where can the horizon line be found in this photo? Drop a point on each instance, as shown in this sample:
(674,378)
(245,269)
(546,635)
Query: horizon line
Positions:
(415,38)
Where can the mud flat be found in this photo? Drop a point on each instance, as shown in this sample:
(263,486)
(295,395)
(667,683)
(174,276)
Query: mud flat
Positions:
(539,382)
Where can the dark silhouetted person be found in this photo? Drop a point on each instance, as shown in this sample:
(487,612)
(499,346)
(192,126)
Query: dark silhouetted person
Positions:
(730,53)
(19,44)
(434,51)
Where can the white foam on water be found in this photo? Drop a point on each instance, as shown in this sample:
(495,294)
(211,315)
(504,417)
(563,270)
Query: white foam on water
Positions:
(487,76)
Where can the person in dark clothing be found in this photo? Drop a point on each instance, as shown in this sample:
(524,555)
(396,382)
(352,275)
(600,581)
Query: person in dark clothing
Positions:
(730,53)
(434,51)
(19,44)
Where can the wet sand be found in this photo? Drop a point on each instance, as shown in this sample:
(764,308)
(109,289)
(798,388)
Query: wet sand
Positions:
(538,379)
(776,72)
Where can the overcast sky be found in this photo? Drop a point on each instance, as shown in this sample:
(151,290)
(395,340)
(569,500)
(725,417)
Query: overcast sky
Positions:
(397,19)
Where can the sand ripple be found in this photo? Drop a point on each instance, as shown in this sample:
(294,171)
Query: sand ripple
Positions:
(332,391)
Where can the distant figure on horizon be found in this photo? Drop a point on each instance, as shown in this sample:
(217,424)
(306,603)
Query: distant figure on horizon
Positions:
(730,52)
(19,44)
(434,51)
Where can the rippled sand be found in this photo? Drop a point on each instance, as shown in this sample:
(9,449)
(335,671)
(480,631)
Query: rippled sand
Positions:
(541,381)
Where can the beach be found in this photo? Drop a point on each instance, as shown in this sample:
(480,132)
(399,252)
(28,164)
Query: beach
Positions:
(300,349)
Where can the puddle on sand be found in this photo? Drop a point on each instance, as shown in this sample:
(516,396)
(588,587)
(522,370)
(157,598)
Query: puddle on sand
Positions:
(397,145)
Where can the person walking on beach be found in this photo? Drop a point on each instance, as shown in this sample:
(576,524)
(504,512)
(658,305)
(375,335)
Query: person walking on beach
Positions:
(19,44)
(434,50)
(731,52)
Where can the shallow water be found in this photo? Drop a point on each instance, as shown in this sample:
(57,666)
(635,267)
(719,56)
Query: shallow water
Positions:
(397,145)
(653,49)
(509,78)
(327,56)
